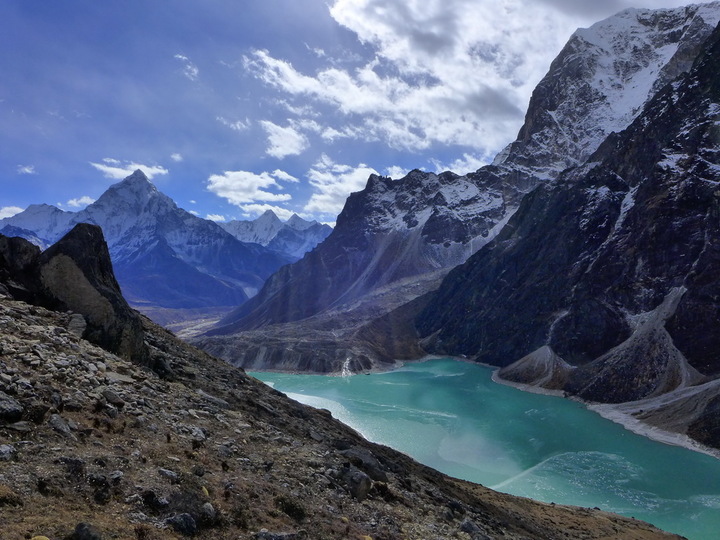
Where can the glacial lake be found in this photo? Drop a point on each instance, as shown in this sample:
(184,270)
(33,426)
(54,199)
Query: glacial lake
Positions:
(451,416)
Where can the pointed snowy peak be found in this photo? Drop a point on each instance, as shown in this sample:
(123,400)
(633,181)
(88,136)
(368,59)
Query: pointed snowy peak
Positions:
(268,218)
(137,183)
(133,194)
(298,223)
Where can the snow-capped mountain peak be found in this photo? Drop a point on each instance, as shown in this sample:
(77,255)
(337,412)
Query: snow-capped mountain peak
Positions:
(298,223)
(600,81)
(294,237)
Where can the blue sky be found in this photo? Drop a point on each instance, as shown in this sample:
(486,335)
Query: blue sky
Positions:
(236,107)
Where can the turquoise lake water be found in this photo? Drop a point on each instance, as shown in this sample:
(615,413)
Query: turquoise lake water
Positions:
(451,416)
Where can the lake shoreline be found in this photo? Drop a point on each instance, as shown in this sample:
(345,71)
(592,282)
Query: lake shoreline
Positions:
(614,413)
(609,411)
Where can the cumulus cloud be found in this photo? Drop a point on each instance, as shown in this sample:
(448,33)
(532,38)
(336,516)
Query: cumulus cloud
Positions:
(9,211)
(82,201)
(117,170)
(284,141)
(451,72)
(177,158)
(396,172)
(466,164)
(244,187)
(283,176)
(190,70)
(215,217)
(442,73)
(26,169)
(332,184)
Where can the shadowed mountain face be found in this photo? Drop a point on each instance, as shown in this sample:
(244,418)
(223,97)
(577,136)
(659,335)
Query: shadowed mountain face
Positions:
(163,256)
(607,277)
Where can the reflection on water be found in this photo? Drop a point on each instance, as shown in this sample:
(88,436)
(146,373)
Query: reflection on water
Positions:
(451,416)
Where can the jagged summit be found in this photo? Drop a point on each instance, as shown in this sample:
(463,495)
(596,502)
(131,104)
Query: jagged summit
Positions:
(298,223)
(137,184)
(601,80)
(293,238)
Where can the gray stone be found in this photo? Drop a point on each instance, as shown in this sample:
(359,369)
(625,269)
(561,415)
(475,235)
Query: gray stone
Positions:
(184,524)
(77,324)
(357,482)
(10,409)
(113,398)
(7,452)
(61,426)
(171,475)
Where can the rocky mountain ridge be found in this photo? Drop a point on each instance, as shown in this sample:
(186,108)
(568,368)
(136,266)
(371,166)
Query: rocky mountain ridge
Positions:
(425,223)
(603,283)
(98,446)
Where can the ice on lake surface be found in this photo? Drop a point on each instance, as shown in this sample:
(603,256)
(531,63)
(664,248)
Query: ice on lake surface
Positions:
(451,416)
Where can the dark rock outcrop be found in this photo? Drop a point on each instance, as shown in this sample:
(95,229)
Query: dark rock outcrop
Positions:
(75,274)
(612,268)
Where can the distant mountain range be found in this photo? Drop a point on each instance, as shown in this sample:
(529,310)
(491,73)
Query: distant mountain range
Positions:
(163,255)
(293,237)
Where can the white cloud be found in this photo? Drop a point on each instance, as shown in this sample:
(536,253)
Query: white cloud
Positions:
(333,183)
(245,187)
(396,172)
(238,125)
(215,217)
(26,169)
(254,210)
(82,201)
(445,72)
(177,158)
(466,164)
(116,170)
(283,176)
(9,211)
(194,212)
(284,141)
(190,70)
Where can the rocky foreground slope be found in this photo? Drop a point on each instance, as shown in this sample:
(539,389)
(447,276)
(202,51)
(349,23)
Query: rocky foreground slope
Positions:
(180,444)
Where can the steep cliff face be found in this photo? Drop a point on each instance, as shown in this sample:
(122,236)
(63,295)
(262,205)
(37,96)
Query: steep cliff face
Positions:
(394,229)
(612,268)
(601,80)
